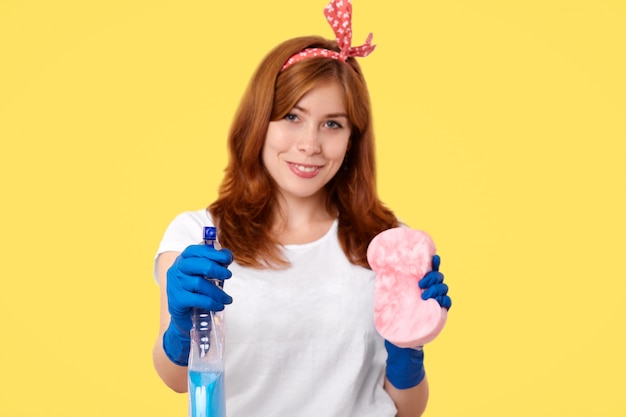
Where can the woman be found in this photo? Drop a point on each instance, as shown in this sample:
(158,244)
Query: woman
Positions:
(296,209)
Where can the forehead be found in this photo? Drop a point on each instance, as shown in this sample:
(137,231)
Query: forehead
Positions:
(329,96)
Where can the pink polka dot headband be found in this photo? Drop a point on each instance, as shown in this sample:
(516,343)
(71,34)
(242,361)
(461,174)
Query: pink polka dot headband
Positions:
(339,16)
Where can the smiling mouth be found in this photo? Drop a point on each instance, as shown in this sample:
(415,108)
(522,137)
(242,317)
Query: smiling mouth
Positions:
(306,168)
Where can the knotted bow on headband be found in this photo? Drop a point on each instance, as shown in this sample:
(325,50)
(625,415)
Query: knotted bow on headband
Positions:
(339,16)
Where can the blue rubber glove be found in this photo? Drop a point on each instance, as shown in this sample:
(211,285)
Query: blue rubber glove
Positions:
(405,366)
(433,286)
(187,289)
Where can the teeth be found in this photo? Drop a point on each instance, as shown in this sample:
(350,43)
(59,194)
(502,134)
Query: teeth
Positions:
(305,169)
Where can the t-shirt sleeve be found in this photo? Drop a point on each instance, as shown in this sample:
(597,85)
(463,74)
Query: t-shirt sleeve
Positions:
(184,230)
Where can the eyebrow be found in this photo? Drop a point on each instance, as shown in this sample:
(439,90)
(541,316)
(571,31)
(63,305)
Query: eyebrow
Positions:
(331,115)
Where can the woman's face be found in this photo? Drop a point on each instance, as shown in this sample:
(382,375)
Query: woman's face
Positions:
(304,150)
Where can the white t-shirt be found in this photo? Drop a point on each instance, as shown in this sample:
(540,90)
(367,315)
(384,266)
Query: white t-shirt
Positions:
(300,342)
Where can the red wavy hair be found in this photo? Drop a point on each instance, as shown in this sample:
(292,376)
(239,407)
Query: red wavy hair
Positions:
(245,208)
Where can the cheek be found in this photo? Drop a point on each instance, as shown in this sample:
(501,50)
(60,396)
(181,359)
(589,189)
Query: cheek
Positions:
(337,149)
(277,139)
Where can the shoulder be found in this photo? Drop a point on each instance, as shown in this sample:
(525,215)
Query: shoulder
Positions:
(184,230)
(196,218)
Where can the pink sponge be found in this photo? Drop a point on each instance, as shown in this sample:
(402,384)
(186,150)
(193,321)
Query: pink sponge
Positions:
(400,257)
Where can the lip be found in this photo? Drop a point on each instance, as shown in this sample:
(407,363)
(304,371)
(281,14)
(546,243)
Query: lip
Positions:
(304,170)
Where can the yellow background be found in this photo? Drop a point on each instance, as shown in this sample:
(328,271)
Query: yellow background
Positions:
(501,129)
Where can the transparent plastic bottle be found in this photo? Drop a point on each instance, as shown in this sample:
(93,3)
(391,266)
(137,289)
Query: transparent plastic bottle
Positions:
(206,358)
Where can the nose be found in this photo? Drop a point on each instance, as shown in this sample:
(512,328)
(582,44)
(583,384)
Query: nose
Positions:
(309,141)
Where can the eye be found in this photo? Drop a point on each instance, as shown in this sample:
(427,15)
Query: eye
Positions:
(291,117)
(333,124)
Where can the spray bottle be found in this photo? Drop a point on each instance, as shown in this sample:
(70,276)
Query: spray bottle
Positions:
(206,358)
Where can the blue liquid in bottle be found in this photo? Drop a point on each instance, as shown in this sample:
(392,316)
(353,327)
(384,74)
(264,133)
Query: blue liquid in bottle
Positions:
(206,394)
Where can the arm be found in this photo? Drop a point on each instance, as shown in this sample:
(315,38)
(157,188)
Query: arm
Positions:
(410,402)
(173,375)
(405,380)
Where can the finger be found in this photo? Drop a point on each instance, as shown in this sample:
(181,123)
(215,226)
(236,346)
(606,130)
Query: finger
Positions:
(182,302)
(436,262)
(203,287)
(223,257)
(430,279)
(445,302)
(436,290)
(203,267)
(202,301)
(227,253)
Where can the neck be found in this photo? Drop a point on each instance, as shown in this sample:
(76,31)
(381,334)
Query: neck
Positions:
(302,220)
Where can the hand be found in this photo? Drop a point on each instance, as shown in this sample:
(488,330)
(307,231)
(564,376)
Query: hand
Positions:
(433,286)
(405,366)
(188,284)
(188,287)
